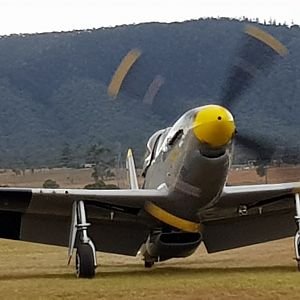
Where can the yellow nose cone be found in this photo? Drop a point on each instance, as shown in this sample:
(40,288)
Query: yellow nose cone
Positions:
(214,125)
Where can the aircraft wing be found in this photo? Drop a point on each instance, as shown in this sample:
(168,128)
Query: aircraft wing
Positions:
(256,194)
(44,216)
(250,214)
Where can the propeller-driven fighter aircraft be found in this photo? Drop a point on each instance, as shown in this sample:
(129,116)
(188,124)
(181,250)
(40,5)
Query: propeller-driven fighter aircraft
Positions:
(184,199)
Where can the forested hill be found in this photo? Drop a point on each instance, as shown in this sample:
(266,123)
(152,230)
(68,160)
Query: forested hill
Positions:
(53,86)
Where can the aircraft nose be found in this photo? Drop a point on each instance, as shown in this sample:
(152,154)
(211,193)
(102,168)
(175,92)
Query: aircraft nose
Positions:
(214,125)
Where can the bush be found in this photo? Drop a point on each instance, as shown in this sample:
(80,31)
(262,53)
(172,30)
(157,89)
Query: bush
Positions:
(100,185)
(50,184)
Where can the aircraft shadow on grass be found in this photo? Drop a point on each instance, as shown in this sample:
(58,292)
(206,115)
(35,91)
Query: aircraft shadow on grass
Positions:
(196,271)
(6,277)
(158,271)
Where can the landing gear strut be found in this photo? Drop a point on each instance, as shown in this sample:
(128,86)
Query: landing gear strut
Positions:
(297,235)
(86,261)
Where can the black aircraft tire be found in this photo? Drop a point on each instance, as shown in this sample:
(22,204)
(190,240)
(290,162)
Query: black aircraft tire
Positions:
(298,261)
(85,267)
(148,264)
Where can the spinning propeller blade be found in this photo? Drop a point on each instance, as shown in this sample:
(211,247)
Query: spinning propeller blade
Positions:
(259,51)
(255,58)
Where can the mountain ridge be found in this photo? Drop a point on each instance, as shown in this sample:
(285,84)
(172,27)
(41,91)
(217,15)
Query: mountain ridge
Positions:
(53,87)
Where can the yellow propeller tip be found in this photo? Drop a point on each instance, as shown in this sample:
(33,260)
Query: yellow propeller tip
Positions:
(267,39)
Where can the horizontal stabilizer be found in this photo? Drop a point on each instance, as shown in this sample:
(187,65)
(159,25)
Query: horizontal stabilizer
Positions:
(130,166)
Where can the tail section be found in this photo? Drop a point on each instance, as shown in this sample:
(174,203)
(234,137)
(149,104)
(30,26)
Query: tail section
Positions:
(130,166)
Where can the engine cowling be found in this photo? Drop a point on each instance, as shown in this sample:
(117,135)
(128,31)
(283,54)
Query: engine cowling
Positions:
(163,246)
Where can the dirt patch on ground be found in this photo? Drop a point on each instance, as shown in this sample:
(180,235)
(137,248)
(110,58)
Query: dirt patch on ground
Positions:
(273,175)
(65,177)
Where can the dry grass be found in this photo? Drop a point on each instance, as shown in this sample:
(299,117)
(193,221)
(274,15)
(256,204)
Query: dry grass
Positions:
(29,271)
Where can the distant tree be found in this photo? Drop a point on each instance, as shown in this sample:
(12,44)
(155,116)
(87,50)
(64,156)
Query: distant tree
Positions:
(103,160)
(95,175)
(261,170)
(50,184)
(109,173)
(17,171)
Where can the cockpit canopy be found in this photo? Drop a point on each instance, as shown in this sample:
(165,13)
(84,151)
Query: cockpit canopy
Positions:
(153,146)
(164,138)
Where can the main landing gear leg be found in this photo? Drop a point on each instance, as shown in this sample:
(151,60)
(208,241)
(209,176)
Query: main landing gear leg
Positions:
(86,260)
(297,235)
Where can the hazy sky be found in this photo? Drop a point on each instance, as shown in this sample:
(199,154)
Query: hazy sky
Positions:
(26,16)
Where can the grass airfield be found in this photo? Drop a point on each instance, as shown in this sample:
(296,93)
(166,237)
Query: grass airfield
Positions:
(267,271)
(32,271)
